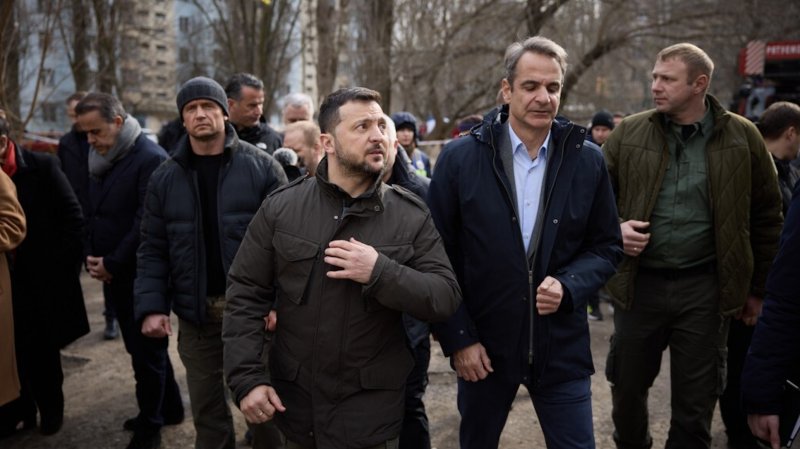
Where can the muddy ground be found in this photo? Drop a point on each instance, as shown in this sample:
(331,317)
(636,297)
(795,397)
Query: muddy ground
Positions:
(98,387)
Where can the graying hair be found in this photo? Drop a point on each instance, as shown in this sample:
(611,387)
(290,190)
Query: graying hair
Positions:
(535,44)
(297,99)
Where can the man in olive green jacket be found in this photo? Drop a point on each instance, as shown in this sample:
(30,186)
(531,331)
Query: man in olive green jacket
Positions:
(340,256)
(700,215)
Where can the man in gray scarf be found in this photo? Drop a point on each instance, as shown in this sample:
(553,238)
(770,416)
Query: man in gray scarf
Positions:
(121,160)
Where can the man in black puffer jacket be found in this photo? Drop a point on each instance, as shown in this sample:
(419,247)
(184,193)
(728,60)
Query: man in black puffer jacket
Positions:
(198,206)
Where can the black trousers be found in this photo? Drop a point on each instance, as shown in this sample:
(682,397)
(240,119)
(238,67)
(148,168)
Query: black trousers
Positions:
(730,403)
(157,393)
(41,379)
(415,433)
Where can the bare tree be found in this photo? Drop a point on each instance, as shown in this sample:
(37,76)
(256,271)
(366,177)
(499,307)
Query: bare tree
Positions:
(330,25)
(373,54)
(254,37)
(9,62)
(446,61)
(107,14)
(76,31)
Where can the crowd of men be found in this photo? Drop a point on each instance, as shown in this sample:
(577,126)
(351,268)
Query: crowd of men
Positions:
(308,269)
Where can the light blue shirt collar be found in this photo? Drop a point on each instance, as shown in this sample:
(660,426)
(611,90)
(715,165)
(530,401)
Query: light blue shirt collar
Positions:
(517,145)
(529,177)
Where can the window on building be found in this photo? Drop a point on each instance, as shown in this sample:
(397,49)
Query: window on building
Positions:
(49,111)
(161,16)
(183,24)
(161,47)
(43,38)
(48,77)
(183,55)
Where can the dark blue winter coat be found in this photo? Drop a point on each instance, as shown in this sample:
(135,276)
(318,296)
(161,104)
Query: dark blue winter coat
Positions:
(115,207)
(774,353)
(580,245)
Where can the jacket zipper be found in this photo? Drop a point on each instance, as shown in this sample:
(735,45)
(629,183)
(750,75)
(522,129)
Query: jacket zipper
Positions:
(531,298)
(531,289)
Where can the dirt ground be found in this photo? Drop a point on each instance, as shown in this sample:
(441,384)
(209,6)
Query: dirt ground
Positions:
(98,388)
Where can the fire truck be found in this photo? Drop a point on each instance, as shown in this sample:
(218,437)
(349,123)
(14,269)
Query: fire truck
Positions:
(771,71)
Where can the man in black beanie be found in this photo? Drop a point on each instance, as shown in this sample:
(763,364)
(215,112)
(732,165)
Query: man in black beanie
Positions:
(602,125)
(198,206)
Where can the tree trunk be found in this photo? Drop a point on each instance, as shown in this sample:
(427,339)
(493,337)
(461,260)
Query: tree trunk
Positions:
(81,72)
(9,64)
(328,44)
(375,47)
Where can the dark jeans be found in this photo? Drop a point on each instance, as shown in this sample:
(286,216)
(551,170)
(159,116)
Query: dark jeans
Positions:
(680,313)
(730,403)
(564,411)
(157,393)
(415,433)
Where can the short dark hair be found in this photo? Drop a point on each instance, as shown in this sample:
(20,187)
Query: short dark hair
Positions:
(233,89)
(107,105)
(4,127)
(329,111)
(77,96)
(777,118)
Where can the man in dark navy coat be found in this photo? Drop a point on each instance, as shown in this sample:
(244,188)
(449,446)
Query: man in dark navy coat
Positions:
(121,160)
(527,214)
(73,152)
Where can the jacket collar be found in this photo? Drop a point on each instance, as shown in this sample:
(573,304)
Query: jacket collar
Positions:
(183,154)
(721,116)
(369,202)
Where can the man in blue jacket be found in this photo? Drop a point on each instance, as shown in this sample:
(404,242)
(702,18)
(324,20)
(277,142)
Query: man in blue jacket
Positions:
(773,355)
(527,214)
(121,160)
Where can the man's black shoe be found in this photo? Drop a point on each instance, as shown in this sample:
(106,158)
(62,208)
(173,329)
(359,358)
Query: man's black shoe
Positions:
(131,424)
(145,439)
(111,331)
(50,424)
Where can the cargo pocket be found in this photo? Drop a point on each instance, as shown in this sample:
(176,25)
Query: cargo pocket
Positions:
(296,258)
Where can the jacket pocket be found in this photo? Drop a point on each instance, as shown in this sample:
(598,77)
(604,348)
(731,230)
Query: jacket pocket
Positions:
(400,253)
(283,367)
(388,373)
(296,258)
